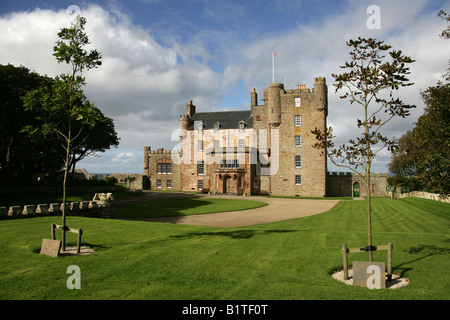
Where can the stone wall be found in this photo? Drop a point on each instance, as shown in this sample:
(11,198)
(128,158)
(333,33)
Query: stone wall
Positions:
(425,195)
(101,206)
(343,184)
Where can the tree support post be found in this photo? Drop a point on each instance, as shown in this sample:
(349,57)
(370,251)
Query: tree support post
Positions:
(346,251)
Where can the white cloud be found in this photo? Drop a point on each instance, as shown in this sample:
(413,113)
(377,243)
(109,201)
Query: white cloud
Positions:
(144,85)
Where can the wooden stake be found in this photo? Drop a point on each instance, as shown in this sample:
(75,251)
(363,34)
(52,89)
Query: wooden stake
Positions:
(344,253)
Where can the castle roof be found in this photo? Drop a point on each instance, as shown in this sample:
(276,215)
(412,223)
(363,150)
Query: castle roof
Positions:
(226,119)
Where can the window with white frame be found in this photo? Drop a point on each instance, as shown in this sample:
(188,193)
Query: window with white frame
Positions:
(200,145)
(298,180)
(297,102)
(200,184)
(169,184)
(297,121)
(241,143)
(158,184)
(200,168)
(298,141)
(298,161)
(164,168)
(216,144)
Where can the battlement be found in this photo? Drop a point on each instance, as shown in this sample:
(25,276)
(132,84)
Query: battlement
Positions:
(373,174)
(162,151)
(319,80)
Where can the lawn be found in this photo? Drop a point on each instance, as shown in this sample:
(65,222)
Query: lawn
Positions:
(281,260)
(180,207)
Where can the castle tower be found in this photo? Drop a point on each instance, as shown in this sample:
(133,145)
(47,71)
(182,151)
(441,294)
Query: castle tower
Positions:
(274,103)
(321,91)
(146,159)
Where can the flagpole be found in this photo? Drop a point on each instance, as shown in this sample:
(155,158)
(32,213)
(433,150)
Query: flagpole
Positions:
(273,67)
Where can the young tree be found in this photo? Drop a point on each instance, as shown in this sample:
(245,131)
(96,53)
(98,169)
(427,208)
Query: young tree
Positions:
(64,109)
(369,82)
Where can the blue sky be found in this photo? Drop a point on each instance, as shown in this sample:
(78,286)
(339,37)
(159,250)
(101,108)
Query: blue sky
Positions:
(158,54)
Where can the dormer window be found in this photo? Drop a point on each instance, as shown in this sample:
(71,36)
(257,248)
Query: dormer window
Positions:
(241,126)
(199,126)
(217,126)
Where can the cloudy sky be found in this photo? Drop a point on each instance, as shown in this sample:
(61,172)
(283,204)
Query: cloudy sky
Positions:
(158,54)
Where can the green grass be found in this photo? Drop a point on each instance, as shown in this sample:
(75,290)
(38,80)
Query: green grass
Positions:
(181,207)
(282,260)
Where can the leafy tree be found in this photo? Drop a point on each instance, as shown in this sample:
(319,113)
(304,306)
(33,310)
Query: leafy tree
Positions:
(369,82)
(97,139)
(22,158)
(63,108)
(424,152)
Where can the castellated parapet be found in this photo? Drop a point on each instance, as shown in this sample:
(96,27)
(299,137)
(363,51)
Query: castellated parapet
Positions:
(352,184)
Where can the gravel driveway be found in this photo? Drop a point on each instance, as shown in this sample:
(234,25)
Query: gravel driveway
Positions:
(278,209)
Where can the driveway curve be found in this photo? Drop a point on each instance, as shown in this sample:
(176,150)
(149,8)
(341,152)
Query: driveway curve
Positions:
(278,209)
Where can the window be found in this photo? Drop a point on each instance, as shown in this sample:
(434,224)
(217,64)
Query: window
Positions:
(164,168)
(298,141)
(200,145)
(169,184)
(158,184)
(216,144)
(229,164)
(240,182)
(258,118)
(200,184)
(200,168)
(298,180)
(297,102)
(298,161)
(297,121)
(241,143)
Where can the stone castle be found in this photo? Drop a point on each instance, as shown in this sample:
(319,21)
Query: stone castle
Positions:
(266,150)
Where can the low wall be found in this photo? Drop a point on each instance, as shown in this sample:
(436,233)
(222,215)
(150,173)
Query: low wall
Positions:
(101,206)
(425,195)
(45,190)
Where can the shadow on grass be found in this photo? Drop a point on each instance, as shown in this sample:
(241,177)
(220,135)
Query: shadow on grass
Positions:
(426,251)
(235,234)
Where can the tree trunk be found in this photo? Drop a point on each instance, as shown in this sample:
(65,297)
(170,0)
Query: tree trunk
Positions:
(369,215)
(66,171)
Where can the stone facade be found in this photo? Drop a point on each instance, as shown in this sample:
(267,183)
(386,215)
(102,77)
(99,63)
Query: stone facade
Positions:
(346,184)
(265,150)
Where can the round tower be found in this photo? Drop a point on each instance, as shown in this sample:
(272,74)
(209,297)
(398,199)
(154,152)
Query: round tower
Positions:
(274,103)
(184,122)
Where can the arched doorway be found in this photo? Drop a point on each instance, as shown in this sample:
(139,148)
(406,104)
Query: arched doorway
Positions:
(356,190)
(227,184)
